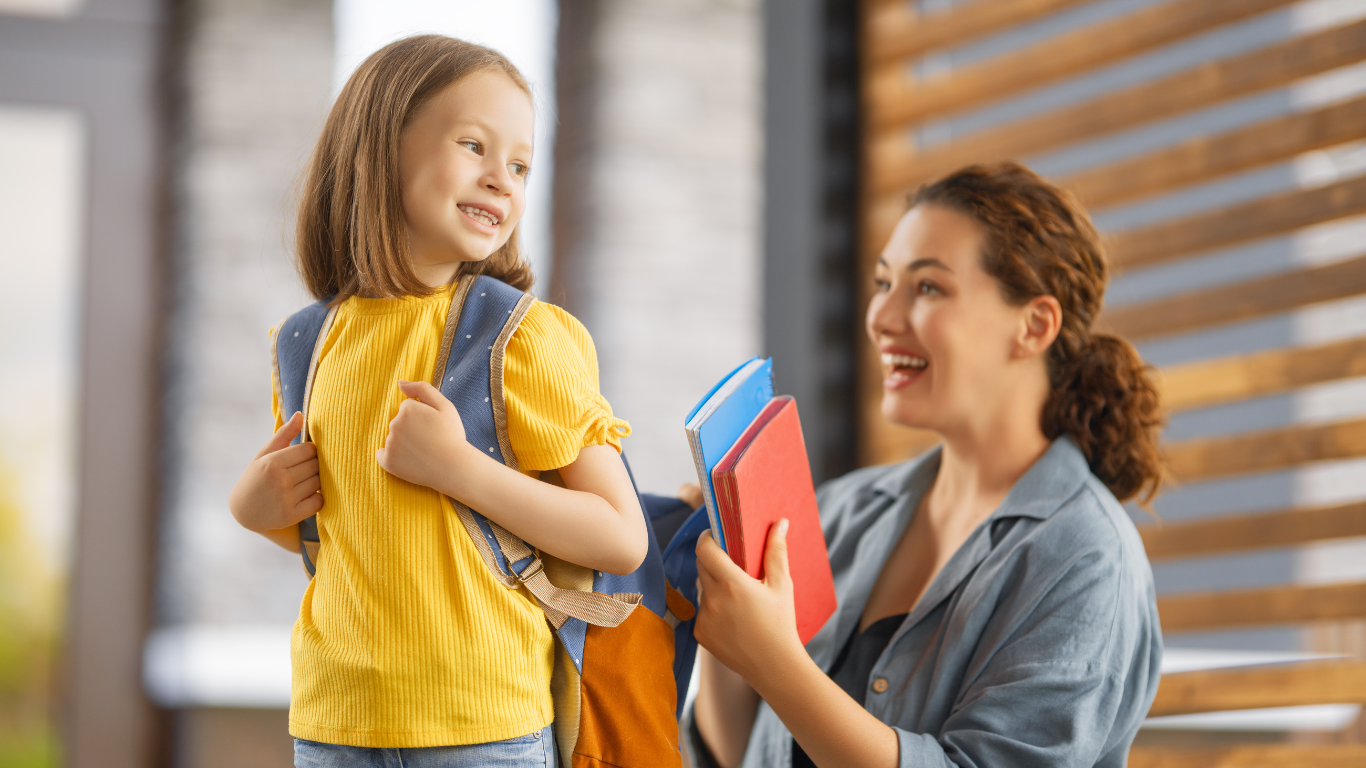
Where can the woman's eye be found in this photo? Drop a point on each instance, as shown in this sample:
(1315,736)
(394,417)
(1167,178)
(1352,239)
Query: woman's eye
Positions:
(926,287)
(882,285)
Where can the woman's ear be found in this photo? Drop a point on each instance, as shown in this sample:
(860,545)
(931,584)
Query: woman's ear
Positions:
(1042,318)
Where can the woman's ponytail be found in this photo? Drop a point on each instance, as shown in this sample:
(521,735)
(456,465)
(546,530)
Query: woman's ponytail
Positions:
(1040,242)
(1104,399)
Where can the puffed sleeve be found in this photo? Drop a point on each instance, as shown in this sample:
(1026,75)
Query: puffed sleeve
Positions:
(550,384)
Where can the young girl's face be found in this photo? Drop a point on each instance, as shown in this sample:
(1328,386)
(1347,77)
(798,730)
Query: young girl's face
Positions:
(463,161)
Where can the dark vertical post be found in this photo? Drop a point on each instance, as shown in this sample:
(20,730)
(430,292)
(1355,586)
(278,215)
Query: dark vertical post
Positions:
(810,218)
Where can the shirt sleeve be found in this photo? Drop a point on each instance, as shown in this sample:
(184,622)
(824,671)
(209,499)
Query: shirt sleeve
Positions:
(550,385)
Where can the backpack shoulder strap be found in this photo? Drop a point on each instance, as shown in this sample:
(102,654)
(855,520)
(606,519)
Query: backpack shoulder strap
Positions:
(294,353)
(484,314)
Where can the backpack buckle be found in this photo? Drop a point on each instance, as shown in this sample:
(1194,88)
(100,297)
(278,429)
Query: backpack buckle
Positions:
(529,572)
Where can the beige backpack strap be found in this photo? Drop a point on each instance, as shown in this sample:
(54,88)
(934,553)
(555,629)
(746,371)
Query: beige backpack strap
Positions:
(559,604)
(313,368)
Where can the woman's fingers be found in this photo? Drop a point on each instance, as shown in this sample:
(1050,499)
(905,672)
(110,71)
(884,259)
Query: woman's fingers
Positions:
(776,569)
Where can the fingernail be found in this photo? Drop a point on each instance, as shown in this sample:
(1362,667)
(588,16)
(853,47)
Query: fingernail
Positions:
(782,527)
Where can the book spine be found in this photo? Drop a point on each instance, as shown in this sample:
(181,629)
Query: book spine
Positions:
(708,496)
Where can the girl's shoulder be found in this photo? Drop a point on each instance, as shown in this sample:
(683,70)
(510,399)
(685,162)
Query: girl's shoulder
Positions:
(554,407)
(550,338)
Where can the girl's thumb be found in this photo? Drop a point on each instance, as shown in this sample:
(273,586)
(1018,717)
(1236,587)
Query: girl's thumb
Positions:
(282,437)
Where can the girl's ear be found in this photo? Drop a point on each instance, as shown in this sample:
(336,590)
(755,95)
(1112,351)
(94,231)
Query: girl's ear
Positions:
(1042,320)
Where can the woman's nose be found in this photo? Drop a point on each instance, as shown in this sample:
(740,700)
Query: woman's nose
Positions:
(887,313)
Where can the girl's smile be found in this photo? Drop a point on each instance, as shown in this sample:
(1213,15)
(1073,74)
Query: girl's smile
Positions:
(486,218)
(463,161)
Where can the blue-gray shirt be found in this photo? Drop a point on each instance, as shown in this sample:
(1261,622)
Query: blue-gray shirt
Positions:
(1038,643)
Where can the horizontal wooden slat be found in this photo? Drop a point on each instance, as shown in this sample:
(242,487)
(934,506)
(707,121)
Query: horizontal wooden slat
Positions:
(1208,458)
(1261,607)
(1240,377)
(1240,301)
(1251,756)
(1271,215)
(1242,533)
(895,32)
(894,98)
(1207,157)
(1294,685)
(893,166)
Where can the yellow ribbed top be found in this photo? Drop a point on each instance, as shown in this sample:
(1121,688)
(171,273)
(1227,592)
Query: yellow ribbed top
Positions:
(404,639)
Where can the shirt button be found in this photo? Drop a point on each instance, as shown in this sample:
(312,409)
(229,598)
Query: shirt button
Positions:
(880,685)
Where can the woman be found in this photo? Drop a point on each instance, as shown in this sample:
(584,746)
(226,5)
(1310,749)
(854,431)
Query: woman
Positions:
(996,607)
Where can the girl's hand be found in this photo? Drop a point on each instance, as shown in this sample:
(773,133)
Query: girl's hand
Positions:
(426,443)
(747,624)
(280,486)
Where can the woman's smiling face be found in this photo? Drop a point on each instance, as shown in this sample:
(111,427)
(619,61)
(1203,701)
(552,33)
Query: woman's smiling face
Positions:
(946,337)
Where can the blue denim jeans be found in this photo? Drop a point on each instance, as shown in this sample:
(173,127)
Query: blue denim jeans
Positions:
(534,750)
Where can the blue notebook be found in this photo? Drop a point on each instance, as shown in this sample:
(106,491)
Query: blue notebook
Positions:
(716,422)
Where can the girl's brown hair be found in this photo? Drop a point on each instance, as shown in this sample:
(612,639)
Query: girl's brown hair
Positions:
(1040,242)
(351,237)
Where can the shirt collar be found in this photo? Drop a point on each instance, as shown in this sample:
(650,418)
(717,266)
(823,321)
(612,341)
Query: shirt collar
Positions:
(1040,492)
(1053,479)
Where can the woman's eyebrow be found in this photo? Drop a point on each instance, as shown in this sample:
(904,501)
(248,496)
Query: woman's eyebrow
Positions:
(922,263)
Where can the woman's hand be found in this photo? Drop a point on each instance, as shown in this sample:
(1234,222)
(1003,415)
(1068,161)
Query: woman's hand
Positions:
(279,487)
(426,443)
(751,627)
(747,624)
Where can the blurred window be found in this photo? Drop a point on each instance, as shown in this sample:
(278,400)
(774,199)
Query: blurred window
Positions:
(42,192)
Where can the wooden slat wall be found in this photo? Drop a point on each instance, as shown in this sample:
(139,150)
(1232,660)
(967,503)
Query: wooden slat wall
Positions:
(898,106)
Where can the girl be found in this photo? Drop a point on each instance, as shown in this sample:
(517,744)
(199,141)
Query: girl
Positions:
(404,640)
(995,604)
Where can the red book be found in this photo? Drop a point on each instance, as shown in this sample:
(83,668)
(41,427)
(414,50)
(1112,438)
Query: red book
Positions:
(763,478)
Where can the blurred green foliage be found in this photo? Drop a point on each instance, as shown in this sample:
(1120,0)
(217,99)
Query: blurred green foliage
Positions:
(29,605)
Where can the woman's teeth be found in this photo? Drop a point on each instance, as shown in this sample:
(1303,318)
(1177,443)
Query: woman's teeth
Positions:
(903,361)
(479,214)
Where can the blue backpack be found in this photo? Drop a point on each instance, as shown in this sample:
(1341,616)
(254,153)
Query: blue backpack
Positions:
(625,648)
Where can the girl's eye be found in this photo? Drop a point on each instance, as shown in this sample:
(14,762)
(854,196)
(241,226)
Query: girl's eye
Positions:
(518,169)
(472,146)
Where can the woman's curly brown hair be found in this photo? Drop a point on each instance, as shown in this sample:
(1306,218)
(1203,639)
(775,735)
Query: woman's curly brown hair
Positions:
(1039,241)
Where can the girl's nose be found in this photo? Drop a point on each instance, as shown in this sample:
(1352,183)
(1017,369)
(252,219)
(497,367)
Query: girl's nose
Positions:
(498,179)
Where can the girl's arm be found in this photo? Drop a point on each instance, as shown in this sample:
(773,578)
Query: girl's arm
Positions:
(750,626)
(594,521)
(279,487)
